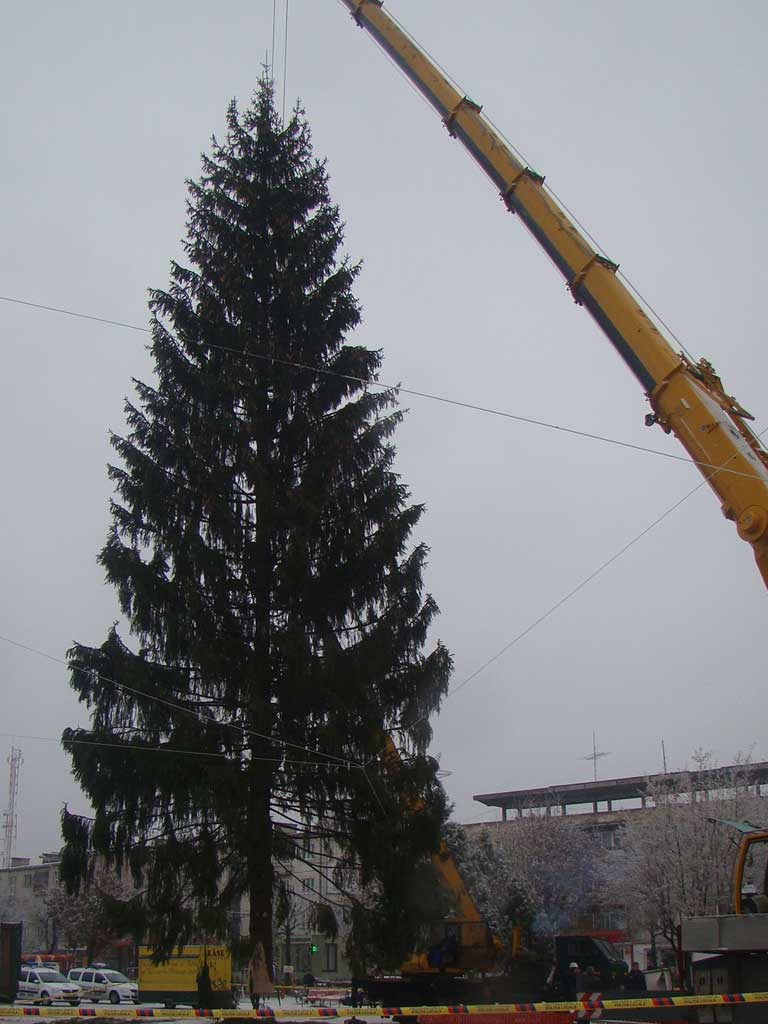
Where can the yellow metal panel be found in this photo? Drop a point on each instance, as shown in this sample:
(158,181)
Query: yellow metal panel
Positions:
(179,972)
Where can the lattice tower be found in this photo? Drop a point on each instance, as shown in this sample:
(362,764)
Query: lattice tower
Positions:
(10,820)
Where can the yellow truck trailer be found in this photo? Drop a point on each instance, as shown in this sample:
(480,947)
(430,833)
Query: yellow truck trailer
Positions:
(175,980)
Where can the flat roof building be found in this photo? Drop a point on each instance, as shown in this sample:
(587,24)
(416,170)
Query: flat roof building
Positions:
(605,794)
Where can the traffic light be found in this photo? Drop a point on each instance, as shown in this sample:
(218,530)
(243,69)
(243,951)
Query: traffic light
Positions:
(313,948)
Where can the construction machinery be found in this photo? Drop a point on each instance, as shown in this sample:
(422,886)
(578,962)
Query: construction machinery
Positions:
(686,398)
(750,873)
(728,953)
(466,961)
(465,941)
(461,944)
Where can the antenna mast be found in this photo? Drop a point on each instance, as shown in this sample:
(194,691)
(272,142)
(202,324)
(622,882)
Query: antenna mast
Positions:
(10,820)
(595,756)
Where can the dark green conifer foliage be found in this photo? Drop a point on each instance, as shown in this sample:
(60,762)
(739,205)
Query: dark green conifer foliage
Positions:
(260,548)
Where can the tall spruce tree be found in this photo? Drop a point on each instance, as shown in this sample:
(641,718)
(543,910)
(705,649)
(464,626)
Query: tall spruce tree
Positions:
(260,548)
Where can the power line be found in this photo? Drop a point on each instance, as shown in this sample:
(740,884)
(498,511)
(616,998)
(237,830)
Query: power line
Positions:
(80,316)
(274,21)
(399,389)
(563,600)
(549,611)
(485,409)
(285,59)
(567,597)
(180,707)
(175,750)
(575,590)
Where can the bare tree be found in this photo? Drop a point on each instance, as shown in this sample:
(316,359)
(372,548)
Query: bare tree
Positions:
(45,925)
(86,919)
(8,911)
(679,862)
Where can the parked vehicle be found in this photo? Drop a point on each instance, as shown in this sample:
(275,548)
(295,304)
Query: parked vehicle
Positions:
(729,952)
(43,985)
(103,983)
(175,980)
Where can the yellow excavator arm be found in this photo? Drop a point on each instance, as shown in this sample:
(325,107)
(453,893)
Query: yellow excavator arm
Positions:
(687,398)
(478,947)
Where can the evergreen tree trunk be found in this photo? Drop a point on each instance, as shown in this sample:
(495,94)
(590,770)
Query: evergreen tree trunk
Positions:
(260,885)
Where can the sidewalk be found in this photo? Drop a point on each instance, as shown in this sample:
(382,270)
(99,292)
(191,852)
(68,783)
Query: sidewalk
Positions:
(305,1011)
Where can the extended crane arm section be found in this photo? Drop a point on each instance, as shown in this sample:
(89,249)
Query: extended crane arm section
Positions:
(687,399)
(445,865)
(476,946)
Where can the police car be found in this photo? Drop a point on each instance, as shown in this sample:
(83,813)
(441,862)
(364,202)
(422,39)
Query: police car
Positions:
(102,983)
(44,985)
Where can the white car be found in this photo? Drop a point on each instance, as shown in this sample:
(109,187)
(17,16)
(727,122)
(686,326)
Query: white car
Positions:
(102,983)
(43,985)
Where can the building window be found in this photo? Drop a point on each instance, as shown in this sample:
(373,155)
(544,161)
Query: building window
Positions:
(331,957)
(301,959)
(609,838)
(609,920)
(28,881)
(308,883)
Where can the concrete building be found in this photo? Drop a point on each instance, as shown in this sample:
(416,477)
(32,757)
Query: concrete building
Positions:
(300,946)
(23,889)
(603,807)
(607,795)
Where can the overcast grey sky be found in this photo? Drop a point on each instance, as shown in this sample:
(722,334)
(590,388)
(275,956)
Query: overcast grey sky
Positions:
(648,120)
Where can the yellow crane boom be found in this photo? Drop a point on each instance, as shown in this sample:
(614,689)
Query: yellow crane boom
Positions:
(478,948)
(687,398)
(448,872)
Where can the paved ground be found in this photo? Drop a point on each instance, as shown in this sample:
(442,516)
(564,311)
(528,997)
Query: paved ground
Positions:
(288,1003)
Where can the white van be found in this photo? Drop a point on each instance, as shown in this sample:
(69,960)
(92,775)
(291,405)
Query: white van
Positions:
(43,985)
(103,983)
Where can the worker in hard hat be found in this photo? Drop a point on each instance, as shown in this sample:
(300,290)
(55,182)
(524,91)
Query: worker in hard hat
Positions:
(574,980)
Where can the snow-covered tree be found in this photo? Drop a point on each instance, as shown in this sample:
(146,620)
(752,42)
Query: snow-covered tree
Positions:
(86,919)
(535,872)
(678,863)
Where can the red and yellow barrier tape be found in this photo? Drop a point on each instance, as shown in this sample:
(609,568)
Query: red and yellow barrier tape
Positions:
(646,1002)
